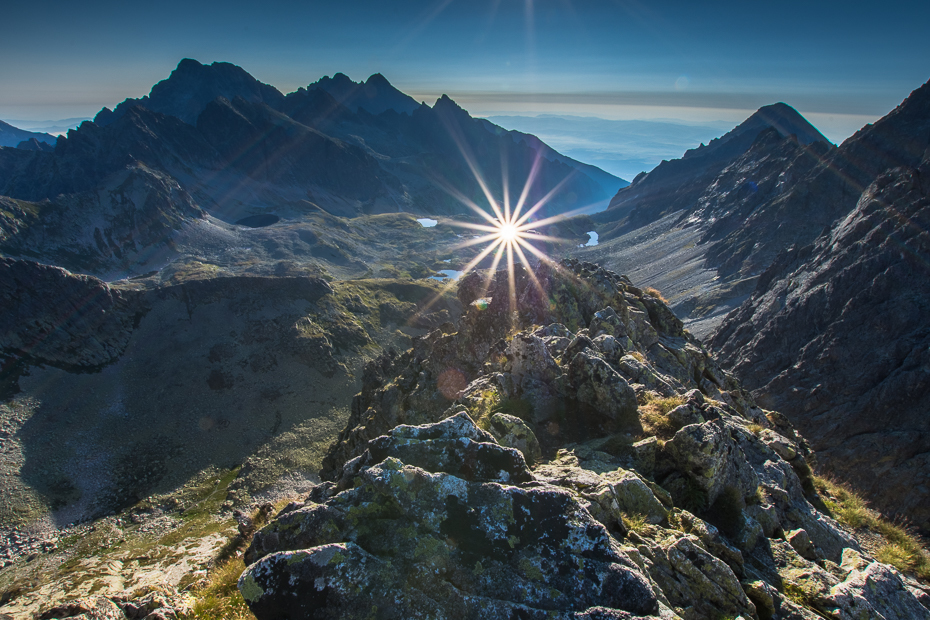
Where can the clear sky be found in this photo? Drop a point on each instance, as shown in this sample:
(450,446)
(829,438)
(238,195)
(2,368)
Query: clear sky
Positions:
(840,63)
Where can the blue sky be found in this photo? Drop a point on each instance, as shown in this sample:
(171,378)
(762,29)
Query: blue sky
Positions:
(840,64)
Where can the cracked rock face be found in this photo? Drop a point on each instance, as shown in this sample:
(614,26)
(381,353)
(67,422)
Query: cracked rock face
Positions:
(407,541)
(432,510)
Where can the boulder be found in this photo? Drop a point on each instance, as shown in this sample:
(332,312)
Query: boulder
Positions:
(512,432)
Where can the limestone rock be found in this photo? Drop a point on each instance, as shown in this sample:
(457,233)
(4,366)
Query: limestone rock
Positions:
(603,388)
(876,591)
(710,461)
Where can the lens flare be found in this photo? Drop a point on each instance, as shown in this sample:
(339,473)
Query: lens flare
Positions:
(508,231)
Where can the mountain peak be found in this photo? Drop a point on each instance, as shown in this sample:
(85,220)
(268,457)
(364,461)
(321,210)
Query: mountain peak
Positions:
(376,79)
(780,116)
(375,96)
(188,64)
(445,101)
(787,121)
(191,86)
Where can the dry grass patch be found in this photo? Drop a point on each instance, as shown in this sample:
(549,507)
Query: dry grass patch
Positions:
(901,548)
(651,290)
(653,415)
(219,598)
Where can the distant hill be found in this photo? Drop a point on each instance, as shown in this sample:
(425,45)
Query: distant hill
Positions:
(12,136)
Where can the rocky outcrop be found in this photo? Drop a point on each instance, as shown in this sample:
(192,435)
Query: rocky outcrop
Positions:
(427,513)
(54,317)
(835,336)
(157,604)
(440,530)
(596,328)
(127,223)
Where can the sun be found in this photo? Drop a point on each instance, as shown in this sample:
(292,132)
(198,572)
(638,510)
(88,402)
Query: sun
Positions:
(507,232)
(510,232)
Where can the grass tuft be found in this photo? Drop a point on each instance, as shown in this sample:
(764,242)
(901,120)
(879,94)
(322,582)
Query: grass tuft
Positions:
(651,290)
(653,415)
(634,522)
(219,599)
(901,548)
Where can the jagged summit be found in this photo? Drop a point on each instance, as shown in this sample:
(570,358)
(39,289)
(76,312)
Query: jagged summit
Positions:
(191,86)
(779,116)
(677,184)
(376,95)
(832,334)
(522,491)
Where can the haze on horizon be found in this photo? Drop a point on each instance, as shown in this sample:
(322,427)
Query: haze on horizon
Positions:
(840,64)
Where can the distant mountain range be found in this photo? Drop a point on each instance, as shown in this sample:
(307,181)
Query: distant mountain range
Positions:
(622,147)
(237,147)
(12,136)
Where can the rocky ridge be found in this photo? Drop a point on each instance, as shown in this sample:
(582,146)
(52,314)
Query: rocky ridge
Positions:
(835,335)
(14,136)
(375,95)
(575,455)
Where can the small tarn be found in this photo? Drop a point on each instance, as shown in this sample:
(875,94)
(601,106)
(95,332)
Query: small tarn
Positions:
(259,221)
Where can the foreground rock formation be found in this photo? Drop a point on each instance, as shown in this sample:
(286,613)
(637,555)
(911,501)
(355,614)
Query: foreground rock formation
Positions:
(658,487)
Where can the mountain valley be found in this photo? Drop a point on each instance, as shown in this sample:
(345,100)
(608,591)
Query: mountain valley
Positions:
(266,334)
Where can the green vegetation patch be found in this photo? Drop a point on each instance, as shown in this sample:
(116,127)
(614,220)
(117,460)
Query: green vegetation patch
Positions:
(220,599)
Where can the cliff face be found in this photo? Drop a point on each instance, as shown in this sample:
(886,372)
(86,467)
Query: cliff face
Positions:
(583,457)
(836,336)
